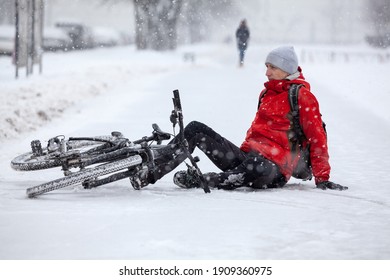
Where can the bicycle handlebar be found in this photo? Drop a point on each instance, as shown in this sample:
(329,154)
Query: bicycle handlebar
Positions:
(176,115)
(176,100)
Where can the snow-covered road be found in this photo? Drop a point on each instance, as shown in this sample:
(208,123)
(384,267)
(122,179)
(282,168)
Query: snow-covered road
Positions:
(121,89)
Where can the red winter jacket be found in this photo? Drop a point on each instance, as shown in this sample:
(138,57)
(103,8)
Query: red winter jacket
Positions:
(268,134)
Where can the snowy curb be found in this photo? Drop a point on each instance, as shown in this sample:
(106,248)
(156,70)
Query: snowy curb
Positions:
(34,104)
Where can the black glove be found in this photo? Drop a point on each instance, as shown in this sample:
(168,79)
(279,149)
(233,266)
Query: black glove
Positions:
(330,185)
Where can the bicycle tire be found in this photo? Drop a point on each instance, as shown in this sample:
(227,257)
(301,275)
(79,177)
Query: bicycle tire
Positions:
(83,175)
(29,161)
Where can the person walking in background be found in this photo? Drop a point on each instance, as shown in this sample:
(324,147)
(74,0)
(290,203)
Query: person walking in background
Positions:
(242,36)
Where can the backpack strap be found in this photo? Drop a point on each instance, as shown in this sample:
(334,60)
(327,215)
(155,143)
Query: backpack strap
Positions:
(293,91)
(260,98)
(293,99)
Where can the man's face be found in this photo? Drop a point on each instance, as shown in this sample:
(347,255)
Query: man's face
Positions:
(274,73)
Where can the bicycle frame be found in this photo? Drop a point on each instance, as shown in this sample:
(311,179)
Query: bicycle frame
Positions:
(146,150)
(123,158)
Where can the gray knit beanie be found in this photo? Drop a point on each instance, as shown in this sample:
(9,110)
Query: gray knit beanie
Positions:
(284,58)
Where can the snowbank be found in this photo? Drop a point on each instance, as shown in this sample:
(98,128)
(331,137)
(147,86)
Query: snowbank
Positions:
(67,79)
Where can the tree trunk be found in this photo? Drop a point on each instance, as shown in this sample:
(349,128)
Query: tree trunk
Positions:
(156,23)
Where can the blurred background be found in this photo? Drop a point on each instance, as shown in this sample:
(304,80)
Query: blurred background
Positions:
(165,24)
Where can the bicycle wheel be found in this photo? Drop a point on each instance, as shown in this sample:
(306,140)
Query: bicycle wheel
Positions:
(29,161)
(83,175)
(48,159)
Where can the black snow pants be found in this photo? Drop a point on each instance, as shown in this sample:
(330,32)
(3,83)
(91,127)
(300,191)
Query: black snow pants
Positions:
(238,168)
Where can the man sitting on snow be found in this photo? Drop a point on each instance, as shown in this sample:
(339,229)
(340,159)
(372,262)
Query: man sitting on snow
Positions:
(268,156)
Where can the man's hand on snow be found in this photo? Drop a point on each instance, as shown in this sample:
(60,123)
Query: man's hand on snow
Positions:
(330,185)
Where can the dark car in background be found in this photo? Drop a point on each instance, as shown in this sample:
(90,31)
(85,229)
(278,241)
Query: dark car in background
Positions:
(81,35)
(67,36)
(106,37)
(55,39)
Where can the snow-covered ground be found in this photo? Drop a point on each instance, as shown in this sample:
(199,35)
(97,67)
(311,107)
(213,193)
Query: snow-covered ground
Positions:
(99,91)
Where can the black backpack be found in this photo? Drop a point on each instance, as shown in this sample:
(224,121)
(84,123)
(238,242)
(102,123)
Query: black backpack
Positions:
(303,169)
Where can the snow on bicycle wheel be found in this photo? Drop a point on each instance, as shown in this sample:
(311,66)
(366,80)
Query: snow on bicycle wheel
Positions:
(31,161)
